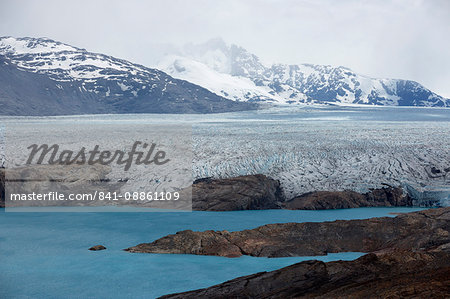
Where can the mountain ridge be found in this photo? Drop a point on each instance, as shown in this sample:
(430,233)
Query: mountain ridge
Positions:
(40,76)
(289,83)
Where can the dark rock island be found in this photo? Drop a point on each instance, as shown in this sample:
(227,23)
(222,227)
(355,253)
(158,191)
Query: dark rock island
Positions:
(97,248)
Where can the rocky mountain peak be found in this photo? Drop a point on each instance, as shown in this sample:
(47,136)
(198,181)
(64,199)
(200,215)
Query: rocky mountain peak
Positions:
(292,84)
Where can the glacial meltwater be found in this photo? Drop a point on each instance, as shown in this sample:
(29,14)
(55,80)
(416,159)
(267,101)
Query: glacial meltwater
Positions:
(45,255)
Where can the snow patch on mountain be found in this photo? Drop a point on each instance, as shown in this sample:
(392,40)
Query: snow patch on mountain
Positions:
(29,45)
(232,87)
(63,62)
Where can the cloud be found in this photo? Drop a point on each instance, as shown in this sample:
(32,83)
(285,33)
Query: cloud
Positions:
(395,39)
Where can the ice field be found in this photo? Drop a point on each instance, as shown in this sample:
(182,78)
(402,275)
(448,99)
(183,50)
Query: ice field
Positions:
(330,148)
(307,148)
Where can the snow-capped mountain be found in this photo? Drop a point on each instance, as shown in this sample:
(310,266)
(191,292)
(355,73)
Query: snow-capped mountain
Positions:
(236,88)
(40,76)
(234,73)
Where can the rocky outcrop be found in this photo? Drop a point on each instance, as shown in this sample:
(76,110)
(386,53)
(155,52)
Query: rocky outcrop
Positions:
(413,231)
(259,192)
(324,200)
(97,248)
(396,274)
(250,192)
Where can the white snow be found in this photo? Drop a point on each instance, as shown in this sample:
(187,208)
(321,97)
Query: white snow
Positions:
(62,62)
(231,87)
(123,87)
(26,46)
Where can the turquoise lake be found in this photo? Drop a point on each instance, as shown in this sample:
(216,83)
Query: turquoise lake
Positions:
(45,255)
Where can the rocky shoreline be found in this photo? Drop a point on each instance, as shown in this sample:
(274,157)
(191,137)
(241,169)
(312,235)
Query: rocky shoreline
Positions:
(259,192)
(395,274)
(249,192)
(326,200)
(427,229)
(408,257)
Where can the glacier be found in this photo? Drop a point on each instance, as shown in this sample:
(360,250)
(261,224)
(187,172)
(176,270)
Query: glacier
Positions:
(307,148)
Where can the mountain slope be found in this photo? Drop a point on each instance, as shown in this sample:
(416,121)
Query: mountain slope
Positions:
(281,83)
(43,77)
(232,87)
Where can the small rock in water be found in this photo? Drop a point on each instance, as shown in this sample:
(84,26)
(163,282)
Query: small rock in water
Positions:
(97,247)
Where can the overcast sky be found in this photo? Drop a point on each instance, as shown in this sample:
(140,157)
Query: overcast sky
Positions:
(406,39)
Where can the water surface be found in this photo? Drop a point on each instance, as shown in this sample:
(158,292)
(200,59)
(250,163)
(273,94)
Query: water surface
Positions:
(45,255)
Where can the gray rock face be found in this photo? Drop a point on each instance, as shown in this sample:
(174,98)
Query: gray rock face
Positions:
(45,77)
(251,192)
(428,229)
(396,274)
